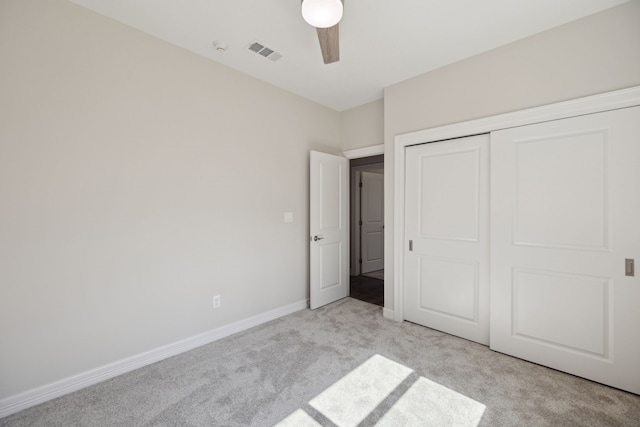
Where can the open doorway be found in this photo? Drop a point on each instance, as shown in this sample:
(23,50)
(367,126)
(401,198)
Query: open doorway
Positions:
(367,229)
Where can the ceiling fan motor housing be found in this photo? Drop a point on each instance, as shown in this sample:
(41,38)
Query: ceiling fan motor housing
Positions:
(322,13)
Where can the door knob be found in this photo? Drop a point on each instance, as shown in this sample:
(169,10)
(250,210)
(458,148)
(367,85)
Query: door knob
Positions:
(316,238)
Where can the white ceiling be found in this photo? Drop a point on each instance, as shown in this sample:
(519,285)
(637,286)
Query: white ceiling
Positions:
(382,42)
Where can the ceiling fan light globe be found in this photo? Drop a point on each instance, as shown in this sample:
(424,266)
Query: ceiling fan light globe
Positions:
(322,13)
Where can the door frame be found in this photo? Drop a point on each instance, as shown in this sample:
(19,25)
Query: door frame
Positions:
(591,104)
(359,153)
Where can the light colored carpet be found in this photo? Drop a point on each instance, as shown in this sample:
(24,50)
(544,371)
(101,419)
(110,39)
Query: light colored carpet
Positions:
(378,274)
(343,364)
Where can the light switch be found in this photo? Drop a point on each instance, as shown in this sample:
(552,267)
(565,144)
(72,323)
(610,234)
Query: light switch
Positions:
(288,217)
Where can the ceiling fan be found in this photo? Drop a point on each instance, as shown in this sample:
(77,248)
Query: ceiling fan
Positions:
(325,16)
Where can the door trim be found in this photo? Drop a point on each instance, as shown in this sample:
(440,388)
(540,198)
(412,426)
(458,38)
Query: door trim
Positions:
(359,153)
(591,104)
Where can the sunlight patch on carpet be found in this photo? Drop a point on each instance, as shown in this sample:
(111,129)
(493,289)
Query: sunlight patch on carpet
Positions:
(429,404)
(299,419)
(355,396)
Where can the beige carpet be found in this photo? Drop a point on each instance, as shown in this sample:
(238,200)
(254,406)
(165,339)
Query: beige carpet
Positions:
(340,365)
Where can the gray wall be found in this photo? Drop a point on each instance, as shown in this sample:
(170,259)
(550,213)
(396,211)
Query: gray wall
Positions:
(595,54)
(363,126)
(132,191)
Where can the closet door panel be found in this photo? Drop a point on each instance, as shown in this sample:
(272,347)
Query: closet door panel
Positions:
(447,220)
(565,204)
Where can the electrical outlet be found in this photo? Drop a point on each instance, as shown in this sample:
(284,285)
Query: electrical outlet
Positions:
(216,301)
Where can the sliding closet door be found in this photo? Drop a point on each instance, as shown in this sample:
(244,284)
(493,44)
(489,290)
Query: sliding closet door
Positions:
(565,201)
(447,235)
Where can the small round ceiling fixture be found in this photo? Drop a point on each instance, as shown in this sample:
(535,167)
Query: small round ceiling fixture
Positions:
(322,13)
(220,46)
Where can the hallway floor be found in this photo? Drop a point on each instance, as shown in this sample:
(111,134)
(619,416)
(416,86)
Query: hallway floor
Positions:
(367,289)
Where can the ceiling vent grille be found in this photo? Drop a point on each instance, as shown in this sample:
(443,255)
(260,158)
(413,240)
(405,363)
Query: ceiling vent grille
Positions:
(262,50)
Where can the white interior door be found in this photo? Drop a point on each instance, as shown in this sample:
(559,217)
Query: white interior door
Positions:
(372,217)
(447,237)
(565,216)
(329,227)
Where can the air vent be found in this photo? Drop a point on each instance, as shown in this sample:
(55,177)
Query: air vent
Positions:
(255,47)
(265,52)
(262,50)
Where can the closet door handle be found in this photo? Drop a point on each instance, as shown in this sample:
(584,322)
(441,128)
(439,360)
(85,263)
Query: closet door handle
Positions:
(629,267)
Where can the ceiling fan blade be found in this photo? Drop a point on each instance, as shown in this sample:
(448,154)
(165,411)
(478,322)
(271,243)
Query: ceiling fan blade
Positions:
(329,43)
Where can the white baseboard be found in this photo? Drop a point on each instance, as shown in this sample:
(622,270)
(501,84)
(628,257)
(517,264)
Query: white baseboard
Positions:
(13,404)
(387,313)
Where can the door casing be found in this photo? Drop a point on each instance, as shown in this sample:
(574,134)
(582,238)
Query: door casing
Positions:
(354,197)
